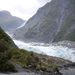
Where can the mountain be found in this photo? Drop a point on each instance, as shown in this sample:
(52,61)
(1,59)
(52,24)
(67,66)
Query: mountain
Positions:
(8,22)
(52,23)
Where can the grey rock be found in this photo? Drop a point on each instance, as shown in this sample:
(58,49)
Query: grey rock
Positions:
(52,23)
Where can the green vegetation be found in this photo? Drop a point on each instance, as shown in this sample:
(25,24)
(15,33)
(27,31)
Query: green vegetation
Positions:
(6,44)
(33,61)
(6,39)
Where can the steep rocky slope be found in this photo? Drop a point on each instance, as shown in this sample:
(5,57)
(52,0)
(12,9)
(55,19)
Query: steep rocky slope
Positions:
(53,22)
(8,22)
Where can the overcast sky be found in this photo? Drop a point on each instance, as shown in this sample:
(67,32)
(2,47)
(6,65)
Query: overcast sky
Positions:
(22,8)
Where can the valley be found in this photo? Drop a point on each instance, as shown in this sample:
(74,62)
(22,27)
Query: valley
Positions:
(42,45)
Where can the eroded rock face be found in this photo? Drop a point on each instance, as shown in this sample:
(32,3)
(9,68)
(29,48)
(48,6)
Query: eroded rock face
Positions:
(53,22)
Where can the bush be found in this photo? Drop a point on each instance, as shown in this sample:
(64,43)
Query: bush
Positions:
(5,56)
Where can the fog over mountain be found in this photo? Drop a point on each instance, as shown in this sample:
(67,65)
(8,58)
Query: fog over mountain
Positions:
(52,23)
(8,22)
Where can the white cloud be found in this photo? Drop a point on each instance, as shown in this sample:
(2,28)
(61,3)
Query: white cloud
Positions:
(44,1)
(21,8)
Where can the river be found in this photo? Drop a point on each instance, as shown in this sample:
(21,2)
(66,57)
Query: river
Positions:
(51,50)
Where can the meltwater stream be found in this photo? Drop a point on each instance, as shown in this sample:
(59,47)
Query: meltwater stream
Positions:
(57,51)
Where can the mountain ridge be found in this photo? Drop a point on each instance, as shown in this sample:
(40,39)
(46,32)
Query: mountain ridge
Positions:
(52,23)
(8,22)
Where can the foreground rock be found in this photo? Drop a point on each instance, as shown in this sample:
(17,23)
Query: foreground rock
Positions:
(69,71)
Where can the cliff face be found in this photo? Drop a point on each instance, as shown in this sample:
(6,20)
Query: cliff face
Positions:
(8,22)
(53,22)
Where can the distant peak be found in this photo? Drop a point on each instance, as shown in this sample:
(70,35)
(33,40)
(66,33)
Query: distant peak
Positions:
(4,12)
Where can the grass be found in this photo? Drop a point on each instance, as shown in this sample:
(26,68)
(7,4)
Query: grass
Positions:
(32,60)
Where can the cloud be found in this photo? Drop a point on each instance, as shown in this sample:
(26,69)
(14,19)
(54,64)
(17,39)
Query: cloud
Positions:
(21,8)
(44,1)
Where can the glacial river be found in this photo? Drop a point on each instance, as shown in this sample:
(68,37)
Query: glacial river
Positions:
(57,51)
